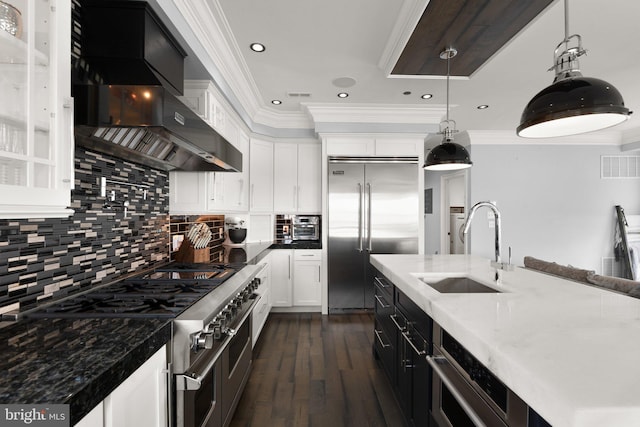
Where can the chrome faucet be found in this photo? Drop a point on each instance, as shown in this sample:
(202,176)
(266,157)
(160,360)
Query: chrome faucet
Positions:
(498,228)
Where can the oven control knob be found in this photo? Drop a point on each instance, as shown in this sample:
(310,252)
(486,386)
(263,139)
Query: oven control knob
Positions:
(202,340)
(216,329)
(228,313)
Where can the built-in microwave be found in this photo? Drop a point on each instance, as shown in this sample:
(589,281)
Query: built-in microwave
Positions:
(305,227)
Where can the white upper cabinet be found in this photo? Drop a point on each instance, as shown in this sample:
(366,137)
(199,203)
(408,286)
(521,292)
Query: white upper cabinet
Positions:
(203,97)
(201,192)
(297,178)
(232,188)
(261,176)
(374,145)
(309,178)
(285,177)
(36,115)
(188,192)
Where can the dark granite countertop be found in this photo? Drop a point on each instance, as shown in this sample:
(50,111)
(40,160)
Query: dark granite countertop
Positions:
(74,361)
(252,253)
(297,245)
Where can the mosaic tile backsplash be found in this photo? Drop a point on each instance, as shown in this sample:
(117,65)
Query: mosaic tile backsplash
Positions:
(43,258)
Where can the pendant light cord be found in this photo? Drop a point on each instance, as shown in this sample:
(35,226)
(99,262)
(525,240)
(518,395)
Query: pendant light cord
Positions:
(566,20)
(448,73)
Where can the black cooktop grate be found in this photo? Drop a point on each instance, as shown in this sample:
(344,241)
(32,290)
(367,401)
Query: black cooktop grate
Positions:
(163,293)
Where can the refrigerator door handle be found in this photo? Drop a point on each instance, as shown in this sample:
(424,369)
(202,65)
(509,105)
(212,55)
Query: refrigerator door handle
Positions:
(369,247)
(360,216)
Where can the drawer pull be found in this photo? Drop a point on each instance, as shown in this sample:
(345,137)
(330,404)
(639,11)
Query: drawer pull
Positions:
(377,332)
(395,320)
(381,282)
(381,302)
(413,346)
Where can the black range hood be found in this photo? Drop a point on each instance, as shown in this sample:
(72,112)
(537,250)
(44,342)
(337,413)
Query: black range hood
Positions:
(129,108)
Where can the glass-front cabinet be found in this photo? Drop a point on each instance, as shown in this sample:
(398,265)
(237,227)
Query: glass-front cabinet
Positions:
(36,112)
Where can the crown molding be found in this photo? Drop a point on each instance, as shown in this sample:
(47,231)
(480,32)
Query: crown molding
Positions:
(372,113)
(207,23)
(281,119)
(409,16)
(498,137)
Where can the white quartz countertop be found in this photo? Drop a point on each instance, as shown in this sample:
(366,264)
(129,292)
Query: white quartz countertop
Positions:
(570,350)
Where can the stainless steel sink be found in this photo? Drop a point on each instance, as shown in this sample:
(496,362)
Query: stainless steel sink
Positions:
(458,285)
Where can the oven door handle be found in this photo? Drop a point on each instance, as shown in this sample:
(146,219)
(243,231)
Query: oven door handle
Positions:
(193,381)
(435,362)
(187,382)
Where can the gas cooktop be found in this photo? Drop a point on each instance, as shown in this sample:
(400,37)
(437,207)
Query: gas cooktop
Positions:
(162,293)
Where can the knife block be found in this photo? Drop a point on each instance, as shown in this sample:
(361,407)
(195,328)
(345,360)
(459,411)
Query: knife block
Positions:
(188,254)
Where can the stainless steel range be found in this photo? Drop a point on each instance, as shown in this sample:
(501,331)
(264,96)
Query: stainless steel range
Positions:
(210,352)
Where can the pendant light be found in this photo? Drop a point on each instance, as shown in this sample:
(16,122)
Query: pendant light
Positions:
(573,104)
(448,155)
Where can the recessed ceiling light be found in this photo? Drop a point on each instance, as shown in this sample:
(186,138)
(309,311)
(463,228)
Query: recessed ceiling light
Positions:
(276,102)
(343,95)
(427,96)
(257,47)
(482,107)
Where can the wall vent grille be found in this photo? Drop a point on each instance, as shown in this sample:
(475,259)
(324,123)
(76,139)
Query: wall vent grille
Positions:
(298,94)
(617,167)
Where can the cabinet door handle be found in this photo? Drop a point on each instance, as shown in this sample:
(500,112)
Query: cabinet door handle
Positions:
(289,265)
(251,195)
(293,196)
(381,282)
(319,278)
(395,321)
(413,346)
(377,332)
(213,184)
(381,302)
(241,191)
(68,176)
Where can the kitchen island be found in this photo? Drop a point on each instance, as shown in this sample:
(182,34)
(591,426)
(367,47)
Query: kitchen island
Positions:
(569,350)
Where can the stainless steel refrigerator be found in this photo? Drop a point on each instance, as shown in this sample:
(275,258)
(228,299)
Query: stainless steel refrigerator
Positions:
(373,208)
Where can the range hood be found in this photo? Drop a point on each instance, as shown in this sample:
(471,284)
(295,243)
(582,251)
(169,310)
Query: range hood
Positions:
(129,108)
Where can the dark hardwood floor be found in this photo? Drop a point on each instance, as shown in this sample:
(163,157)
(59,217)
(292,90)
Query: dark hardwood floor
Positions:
(314,370)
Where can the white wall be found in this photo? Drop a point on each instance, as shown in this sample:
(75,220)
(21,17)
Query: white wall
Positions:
(432,220)
(554,204)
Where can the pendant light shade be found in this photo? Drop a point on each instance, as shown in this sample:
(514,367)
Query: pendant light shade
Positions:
(447,155)
(573,104)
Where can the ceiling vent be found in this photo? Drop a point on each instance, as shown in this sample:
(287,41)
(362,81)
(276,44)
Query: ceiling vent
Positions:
(298,94)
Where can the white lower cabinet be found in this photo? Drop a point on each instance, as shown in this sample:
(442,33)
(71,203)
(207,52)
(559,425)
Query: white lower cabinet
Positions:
(296,279)
(307,281)
(95,418)
(140,401)
(281,277)
(262,308)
